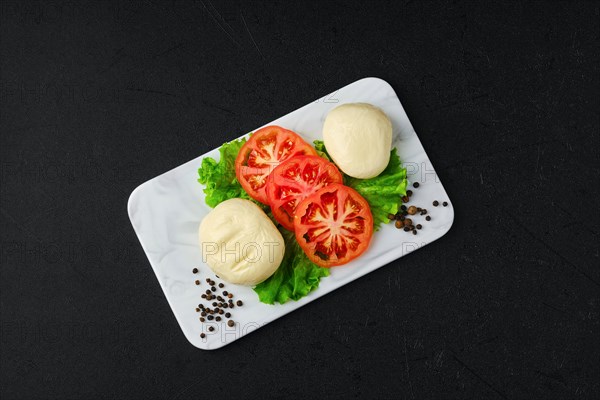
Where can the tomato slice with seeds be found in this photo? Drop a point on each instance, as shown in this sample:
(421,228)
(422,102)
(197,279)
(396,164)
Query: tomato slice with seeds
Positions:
(334,225)
(266,149)
(294,180)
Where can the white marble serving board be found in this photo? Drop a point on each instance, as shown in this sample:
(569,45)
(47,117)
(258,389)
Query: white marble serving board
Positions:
(166,212)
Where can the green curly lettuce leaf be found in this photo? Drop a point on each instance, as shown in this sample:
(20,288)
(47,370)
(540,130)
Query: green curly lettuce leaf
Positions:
(219,178)
(384,192)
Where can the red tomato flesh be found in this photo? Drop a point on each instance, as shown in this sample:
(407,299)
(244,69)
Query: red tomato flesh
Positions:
(333,225)
(266,149)
(294,180)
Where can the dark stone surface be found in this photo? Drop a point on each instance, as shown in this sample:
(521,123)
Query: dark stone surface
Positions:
(98,98)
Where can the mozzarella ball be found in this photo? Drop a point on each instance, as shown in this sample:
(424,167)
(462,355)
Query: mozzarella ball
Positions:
(240,243)
(358,137)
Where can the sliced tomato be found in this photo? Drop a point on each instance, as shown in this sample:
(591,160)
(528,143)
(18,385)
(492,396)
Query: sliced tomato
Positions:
(333,225)
(266,149)
(294,180)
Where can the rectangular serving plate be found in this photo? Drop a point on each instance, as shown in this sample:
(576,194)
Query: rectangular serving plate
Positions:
(166,212)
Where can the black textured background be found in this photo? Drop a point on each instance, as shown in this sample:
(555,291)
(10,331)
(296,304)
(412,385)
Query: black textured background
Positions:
(99,97)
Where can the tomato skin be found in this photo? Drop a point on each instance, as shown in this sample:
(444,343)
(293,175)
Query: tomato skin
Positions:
(333,225)
(266,149)
(295,179)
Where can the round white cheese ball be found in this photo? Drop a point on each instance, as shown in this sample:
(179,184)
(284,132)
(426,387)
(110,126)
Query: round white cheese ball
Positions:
(240,243)
(358,137)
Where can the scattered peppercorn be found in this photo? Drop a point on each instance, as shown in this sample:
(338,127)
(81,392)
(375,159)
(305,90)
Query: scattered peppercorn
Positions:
(408,221)
(391,216)
(414,232)
(202,335)
(409,193)
(428,218)
(406,228)
(399,224)
(195,271)
(436,203)
(445,204)
(239,303)
(202,319)
(210,317)
(230,295)
(203,313)
(412,210)
(227,315)
(218,319)
(419,226)
(197,282)
(197,309)
(230,323)
(221,285)
(214,289)
(403,207)
(416,184)
(211,328)
(405,199)
(225,293)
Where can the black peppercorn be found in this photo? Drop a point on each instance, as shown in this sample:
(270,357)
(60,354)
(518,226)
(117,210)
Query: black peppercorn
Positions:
(195,271)
(436,203)
(419,226)
(230,323)
(211,328)
(445,204)
(202,335)
(197,282)
(428,218)
(409,193)
(239,303)
(416,184)
(227,315)
(221,285)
